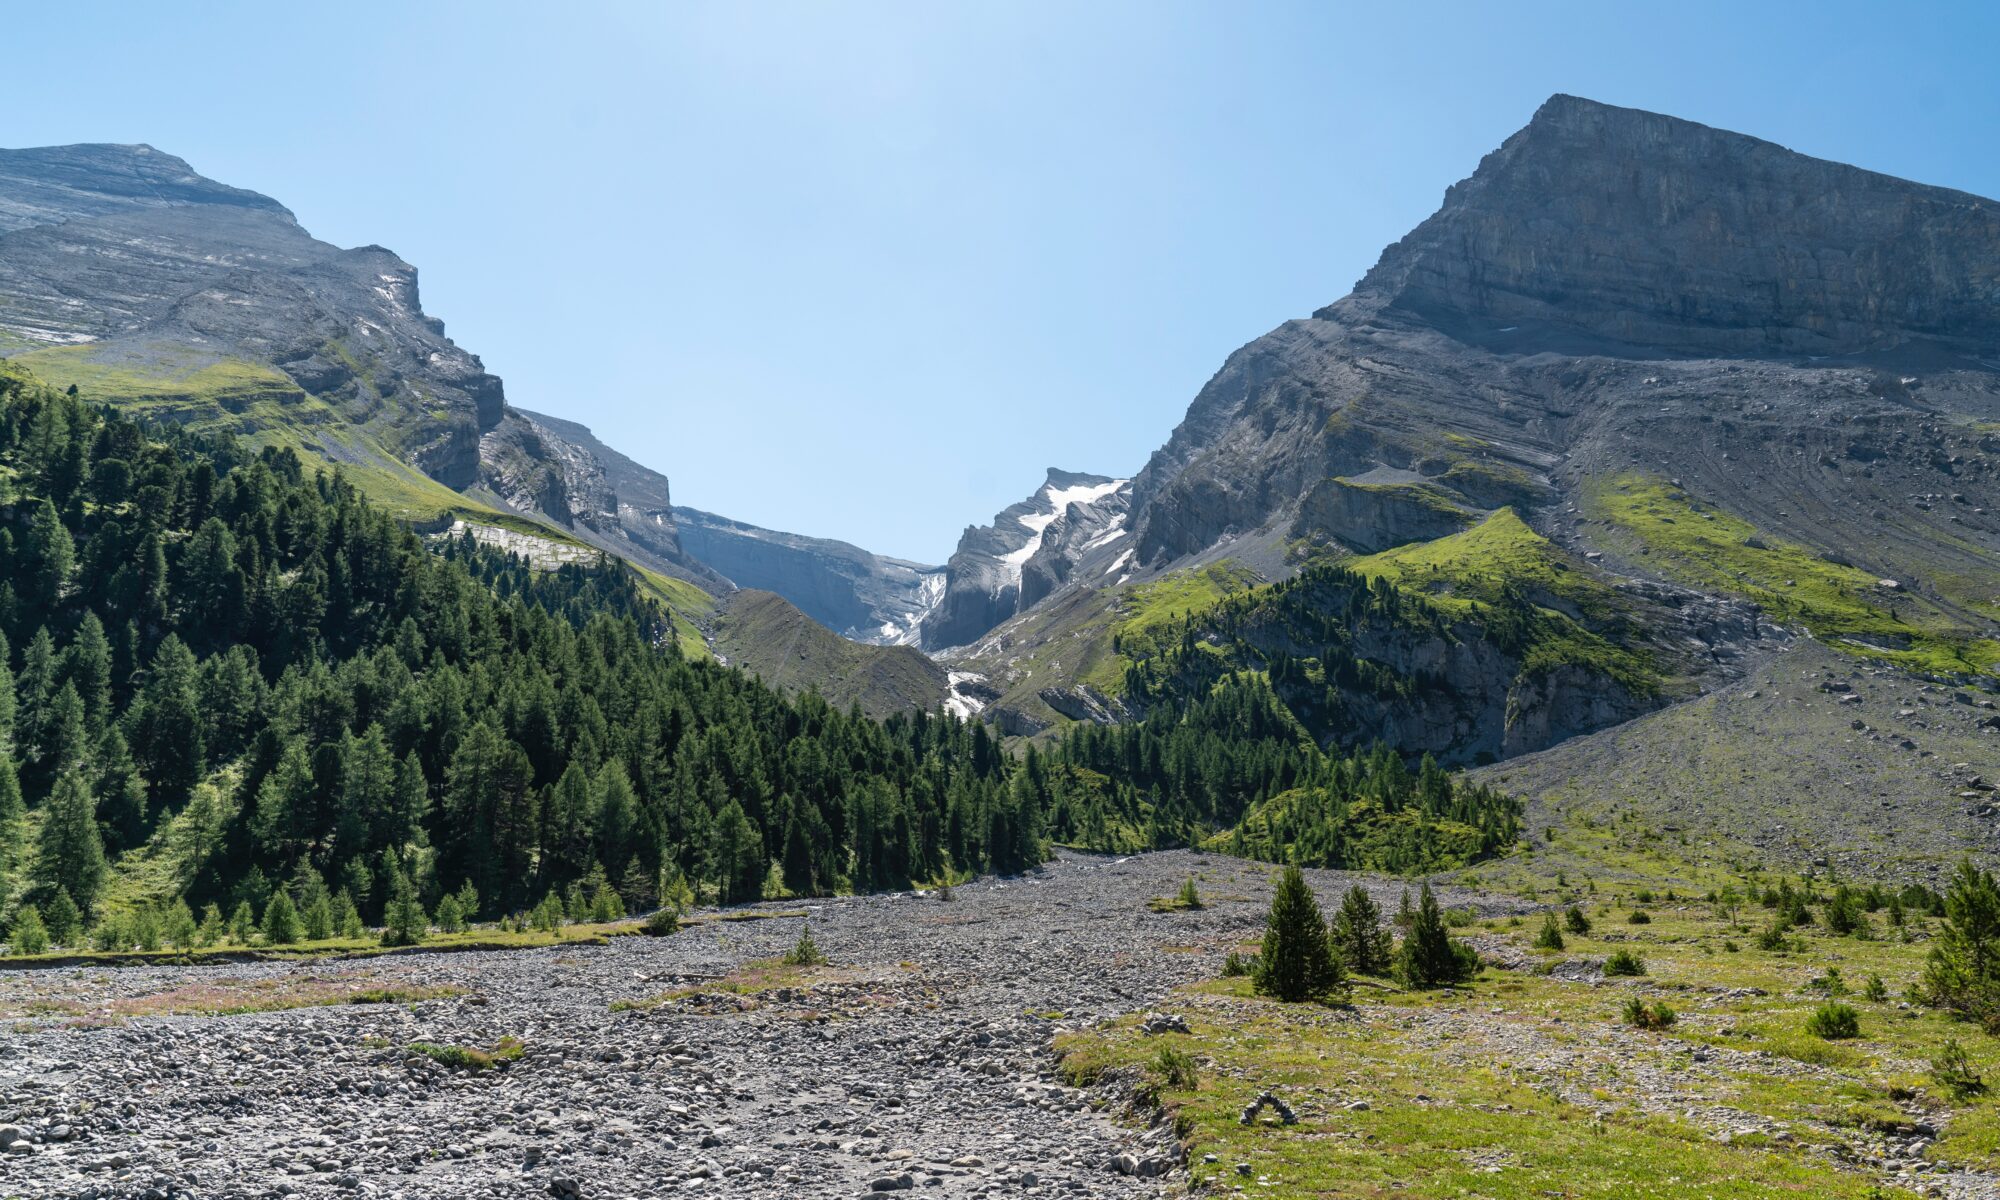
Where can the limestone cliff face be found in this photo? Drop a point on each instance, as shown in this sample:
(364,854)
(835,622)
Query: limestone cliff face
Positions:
(1651,231)
(127,251)
(860,595)
(995,565)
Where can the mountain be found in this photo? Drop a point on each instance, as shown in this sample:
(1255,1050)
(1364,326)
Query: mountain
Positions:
(1028,551)
(1732,394)
(129,276)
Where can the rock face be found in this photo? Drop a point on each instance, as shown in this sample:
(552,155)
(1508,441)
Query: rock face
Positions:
(1801,345)
(1030,547)
(859,595)
(157,270)
(1650,231)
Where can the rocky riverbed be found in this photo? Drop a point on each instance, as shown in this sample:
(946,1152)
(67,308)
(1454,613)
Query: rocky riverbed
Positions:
(918,1062)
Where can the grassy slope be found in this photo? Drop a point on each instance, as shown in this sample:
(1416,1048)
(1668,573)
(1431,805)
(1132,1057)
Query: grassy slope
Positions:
(1527,1085)
(1648,520)
(766,635)
(1502,551)
(1076,637)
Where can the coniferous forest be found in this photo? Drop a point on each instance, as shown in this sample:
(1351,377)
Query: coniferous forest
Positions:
(229,666)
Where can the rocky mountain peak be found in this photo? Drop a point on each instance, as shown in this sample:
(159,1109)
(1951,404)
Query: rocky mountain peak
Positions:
(1637,229)
(49,184)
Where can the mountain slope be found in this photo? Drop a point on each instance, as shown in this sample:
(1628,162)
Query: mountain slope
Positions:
(1757,394)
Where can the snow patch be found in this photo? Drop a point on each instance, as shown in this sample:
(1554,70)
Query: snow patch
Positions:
(1059,500)
(1112,533)
(1121,561)
(962,706)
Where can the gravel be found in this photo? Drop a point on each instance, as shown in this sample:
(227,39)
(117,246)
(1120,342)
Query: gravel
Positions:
(922,1065)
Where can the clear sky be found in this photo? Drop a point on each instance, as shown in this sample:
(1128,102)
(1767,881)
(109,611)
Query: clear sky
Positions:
(864,270)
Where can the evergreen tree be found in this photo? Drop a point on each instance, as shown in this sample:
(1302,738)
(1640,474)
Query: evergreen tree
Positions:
(121,792)
(1358,935)
(10,790)
(71,854)
(318,918)
(242,924)
(28,936)
(404,922)
(64,921)
(1297,961)
(1429,956)
(281,919)
(1551,936)
(1962,973)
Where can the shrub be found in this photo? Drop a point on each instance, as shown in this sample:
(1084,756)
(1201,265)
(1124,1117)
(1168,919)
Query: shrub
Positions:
(1842,913)
(30,936)
(1551,936)
(549,915)
(1177,1068)
(1624,963)
(1297,962)
(1576,922)
(1834,1021)
(1189,896)
(663,923)
(805,952)
(1639,917)
(1235,965)
(1952,1071)
(1773,938)
(1875,990)
(1654,1017)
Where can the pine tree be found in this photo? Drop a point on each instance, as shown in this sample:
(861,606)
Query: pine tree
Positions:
(1429,957)
(28,936)
(1358,936)
(242,924)
(10,789)
(1297,961)
(1963,971)
(281,919)
(346,917)
(72,853)
(1551,936)
(179,924)
(318,918)
(64,921)
(404,922)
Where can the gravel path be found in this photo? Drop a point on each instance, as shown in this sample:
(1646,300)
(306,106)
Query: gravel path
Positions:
(923,1064)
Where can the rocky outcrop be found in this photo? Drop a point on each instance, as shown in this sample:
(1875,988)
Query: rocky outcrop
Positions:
(1372,516)
(1649,231)
(984,580)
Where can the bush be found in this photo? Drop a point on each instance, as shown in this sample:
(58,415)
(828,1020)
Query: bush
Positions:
(1952,1071)
(549,915)
(805,952)
(1177,1068)
(1551,936)
(1576,922)
(30,936)
(1654,1017)
(1189,896)
(1624,963)
(1639,917)
(664,923)
(1235,965)
(1834,1021)
(1773,938)
(1297,962)
(1875,990)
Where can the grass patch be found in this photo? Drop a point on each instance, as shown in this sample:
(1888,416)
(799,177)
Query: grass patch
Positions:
(471,1058)
(1843,606)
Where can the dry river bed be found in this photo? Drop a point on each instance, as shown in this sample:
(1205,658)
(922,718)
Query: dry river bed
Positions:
(920,1063)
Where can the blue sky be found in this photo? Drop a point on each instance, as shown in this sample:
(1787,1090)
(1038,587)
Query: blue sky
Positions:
(864,270)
